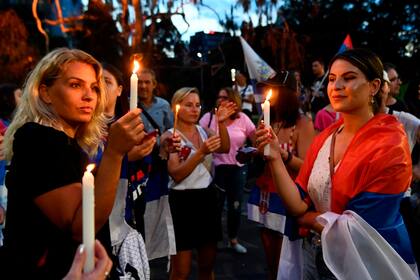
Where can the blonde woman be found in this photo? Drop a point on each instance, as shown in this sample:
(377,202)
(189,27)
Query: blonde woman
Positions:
(58,124)
(192,200)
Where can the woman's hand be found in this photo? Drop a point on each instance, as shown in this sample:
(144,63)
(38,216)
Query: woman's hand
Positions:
(172,144)
(308,220)
(225,110)
(138,152)
(212,144)
(266,136)
(103,265)
(126,132)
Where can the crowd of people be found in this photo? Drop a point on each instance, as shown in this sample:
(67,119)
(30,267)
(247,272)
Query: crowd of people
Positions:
(333,197)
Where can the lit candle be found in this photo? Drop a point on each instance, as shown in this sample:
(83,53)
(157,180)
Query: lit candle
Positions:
(88,206)
(233,74)
(133,86)
(176,116)
(266,109)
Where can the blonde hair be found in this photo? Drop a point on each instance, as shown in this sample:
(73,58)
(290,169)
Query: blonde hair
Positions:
(33,109)
(180,94)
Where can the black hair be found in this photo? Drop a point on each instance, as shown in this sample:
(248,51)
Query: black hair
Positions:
(121,106)
(284,105)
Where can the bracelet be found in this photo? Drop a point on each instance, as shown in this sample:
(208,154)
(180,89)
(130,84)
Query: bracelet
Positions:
(289,157)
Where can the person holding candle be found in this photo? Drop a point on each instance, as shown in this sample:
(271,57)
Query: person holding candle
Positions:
(58,124)
(357,169)
(192,198)
(120,233)
(230,175)
(295,133)
(102,267)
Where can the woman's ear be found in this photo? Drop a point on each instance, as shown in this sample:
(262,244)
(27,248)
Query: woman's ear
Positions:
(44,94)
(375,86)
(120,88)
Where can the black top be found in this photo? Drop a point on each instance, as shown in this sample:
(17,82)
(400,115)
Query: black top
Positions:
(44,159)
(398,106)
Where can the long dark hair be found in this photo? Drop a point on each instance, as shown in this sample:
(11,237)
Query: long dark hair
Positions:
(121,106)
(284,103)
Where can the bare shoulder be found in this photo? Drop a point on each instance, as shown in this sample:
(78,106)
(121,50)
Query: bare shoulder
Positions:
(304,123)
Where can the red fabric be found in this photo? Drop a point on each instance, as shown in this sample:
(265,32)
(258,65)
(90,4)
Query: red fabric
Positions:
(3,128)
(376,160)
(266,183)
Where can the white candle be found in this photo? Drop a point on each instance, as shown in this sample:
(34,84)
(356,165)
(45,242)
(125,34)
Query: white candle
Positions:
(176,116)
(266,109)
(133,86)
(233,74)
(88,206)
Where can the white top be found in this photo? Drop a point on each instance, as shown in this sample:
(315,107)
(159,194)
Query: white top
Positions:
(245,93)
(319,184)
(411,125)
(200,177)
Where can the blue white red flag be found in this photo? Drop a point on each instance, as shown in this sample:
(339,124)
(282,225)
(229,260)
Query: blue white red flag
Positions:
(347,44)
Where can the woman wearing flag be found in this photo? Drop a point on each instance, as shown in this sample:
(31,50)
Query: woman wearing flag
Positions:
(352,181)
(295,133)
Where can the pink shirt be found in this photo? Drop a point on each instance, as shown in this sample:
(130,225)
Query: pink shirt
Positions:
(324,119)
(239,130)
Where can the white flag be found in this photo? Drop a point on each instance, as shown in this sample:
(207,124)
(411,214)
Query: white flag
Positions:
(258,69)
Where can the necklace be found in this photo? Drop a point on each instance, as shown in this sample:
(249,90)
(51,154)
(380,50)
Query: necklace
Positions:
(192,137)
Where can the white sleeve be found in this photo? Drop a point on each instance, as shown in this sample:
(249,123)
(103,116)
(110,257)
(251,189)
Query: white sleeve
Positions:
(411,125)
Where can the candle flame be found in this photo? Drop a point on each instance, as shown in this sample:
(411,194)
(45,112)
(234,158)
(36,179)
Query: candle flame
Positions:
(270,92)
(90,167)
(177,108)
(136,66)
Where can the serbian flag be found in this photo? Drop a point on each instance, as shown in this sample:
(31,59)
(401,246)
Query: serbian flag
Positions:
(347,44)
(258,69)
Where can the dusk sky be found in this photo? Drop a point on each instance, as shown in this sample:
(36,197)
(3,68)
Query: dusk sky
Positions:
(204,18)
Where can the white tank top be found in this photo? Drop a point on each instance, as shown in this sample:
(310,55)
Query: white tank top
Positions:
(200,177)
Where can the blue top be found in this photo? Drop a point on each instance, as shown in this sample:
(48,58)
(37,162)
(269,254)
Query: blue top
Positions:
(161,113)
